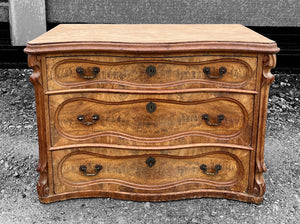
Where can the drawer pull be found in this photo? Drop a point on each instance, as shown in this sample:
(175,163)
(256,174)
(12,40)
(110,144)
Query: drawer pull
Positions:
(94,118)
(151,107)
(222,71)
(83,169)
(218,167)
(151,70)
(220,118)
(80,72)
(150,161)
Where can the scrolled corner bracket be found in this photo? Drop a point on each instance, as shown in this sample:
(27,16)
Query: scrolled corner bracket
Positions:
(269,62)
(259,182)
(34,62)
(260,164)
(259,185)
(42,184)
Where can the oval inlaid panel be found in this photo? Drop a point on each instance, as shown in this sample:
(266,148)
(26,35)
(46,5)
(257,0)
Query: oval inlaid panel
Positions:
(133,73)
(168,119)
(166,170)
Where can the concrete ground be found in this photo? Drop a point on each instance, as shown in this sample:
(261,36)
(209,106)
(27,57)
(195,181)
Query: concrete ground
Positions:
(19,156)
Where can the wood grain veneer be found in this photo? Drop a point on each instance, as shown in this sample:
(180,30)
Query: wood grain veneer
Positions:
(151,112)
(184,72)
(151,38)
(177,119)
(150,33)
(170,171)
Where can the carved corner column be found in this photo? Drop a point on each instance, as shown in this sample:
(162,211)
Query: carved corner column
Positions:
(269,62)
(34,62)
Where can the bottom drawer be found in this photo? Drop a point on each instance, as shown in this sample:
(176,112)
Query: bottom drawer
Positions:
(128,171)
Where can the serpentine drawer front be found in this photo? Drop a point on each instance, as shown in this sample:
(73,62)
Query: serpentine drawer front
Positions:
(151,72)
(150,120)
(204,168)
(151,112)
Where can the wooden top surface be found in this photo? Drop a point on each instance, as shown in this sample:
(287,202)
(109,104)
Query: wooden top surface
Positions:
(149,33)
(173,35)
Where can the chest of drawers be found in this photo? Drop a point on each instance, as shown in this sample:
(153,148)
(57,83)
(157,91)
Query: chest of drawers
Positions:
(151,112)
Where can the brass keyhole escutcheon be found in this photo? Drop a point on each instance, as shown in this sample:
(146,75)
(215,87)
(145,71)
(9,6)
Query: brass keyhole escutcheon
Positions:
(151,70)
(151,107)
(150,161)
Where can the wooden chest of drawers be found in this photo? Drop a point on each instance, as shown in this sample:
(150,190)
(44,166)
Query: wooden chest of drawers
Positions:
(151,112)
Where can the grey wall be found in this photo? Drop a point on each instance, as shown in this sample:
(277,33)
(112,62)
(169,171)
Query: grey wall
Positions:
(3,10)
(246,12)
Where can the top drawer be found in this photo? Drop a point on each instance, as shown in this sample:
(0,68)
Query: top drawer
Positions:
(151,73)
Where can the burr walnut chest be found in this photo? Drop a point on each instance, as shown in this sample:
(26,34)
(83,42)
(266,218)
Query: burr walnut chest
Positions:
(151,112)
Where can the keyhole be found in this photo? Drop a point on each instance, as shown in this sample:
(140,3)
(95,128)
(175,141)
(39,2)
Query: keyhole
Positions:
(151,107)
(150,161)
(151,70)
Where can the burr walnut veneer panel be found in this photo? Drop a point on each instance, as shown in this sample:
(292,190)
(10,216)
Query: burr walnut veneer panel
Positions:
(131,171)
(170,73)
(151,112)
(124,119)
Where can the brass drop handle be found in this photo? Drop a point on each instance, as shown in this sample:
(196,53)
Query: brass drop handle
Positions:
(220,118)
(151,70)
(82,117)
(222,71)
(218,167)
(83,169)
(81,73)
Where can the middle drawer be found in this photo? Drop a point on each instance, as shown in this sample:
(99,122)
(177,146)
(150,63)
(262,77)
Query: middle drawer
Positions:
(150,120)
